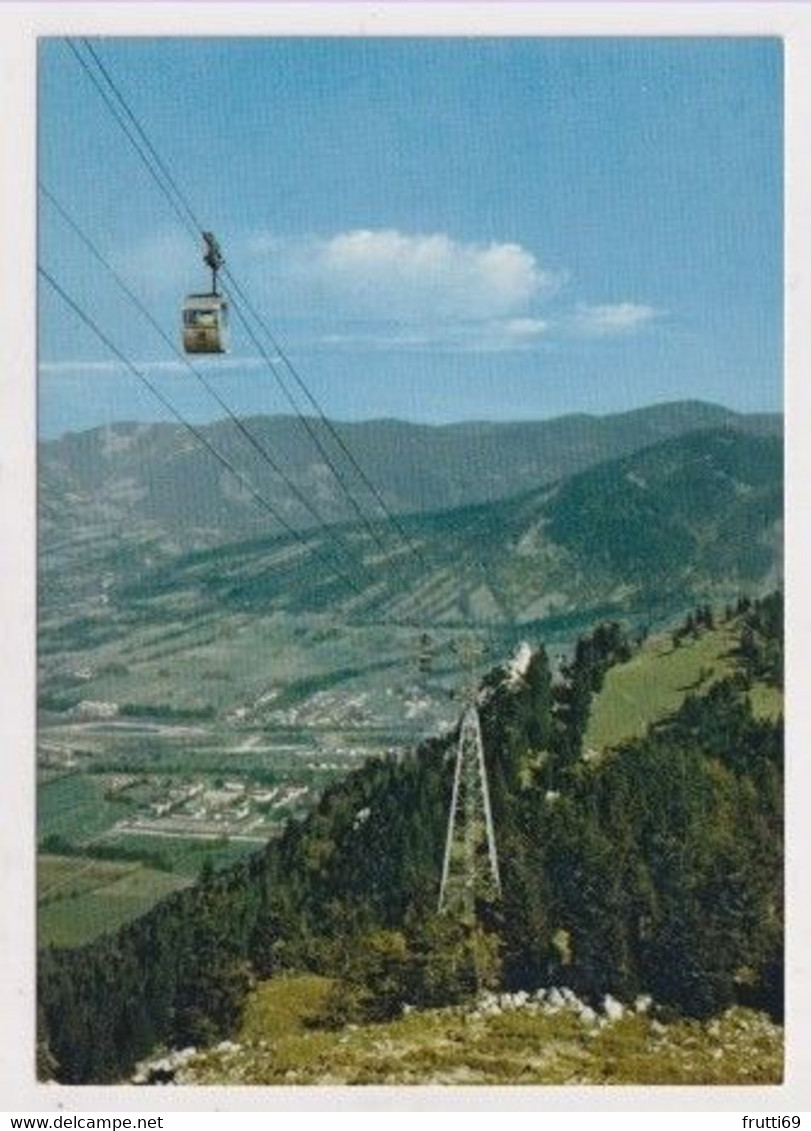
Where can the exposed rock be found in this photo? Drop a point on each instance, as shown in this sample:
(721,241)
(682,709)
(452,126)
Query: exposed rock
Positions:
(614,1010)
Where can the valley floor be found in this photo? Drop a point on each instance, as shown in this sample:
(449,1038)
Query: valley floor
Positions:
(280,1043)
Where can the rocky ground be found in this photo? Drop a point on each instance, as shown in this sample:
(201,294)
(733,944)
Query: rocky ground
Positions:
(549,1037)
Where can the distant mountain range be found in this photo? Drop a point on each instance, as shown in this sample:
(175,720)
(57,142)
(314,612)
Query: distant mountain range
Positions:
(158,481)
(692,517)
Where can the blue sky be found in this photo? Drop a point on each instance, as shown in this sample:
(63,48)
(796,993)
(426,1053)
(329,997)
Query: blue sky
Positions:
(435,229)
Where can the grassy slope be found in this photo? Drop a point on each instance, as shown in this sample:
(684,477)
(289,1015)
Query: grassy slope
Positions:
(279,1045)
(656,680)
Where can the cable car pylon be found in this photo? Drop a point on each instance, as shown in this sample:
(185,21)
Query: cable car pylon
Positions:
(470,869)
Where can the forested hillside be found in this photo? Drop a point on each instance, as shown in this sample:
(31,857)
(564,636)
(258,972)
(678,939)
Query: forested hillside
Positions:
(656,868)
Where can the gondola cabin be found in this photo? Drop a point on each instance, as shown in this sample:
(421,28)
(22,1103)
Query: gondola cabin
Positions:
(205,324)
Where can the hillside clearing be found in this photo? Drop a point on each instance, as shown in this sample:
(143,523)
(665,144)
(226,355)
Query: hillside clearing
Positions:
(657,679)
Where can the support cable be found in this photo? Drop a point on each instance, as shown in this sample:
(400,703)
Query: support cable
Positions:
(243,429)
(312,433)
(330,427)
(139,140)
(200,436)
(167,184)
(169,187)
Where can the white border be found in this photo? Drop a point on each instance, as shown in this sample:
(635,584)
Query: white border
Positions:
(20,24)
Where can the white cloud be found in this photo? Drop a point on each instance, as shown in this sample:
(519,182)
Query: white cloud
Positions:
(525,329)
(390,274)
(612,318)
(490,336)
(55,368)
(503,335)
(416,291)
(151,367)
(385,289)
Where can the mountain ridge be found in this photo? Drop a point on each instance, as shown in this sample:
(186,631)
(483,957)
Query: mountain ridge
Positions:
(692,519)
(157,476)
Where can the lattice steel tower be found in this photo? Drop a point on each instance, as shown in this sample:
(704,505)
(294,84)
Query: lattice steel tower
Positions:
(470,868)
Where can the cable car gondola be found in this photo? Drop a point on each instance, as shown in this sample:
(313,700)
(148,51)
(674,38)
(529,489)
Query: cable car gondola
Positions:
(205,316)
(205,324)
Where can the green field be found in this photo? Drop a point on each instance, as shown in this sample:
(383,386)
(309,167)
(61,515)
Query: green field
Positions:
(185,856)
(656,680)
(75,807)
(79,898)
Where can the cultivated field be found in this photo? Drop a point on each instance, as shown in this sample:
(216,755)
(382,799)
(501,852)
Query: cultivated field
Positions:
(79,898)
